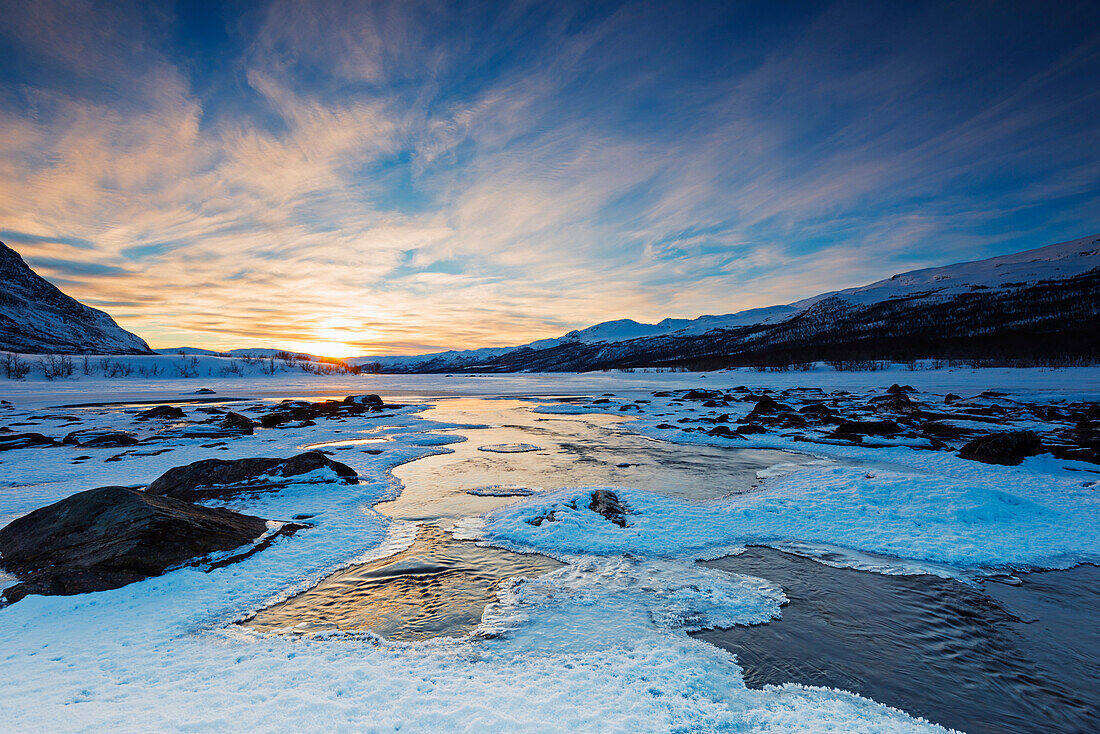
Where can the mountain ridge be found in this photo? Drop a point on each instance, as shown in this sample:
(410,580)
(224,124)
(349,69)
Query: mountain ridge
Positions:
(1017,277)
(37,317)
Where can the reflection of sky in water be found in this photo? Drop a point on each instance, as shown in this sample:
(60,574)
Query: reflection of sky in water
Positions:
(440,586)
(593,450)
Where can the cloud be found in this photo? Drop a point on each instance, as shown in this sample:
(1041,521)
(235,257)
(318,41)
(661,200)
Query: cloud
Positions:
(388,177)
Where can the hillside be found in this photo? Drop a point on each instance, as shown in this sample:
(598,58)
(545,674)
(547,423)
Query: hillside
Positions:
(36,317)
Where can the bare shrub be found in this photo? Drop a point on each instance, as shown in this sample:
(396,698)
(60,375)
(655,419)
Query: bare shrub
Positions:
(188,367)
(56,365)
(14,367)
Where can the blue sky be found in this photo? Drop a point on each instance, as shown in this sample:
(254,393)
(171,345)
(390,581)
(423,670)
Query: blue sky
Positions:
(379,177)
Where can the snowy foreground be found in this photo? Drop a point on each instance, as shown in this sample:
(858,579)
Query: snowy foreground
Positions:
(601,644)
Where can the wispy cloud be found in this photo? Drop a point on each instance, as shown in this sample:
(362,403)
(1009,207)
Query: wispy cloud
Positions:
(392,176)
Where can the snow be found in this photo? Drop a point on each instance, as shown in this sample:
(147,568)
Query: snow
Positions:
(599,644)
(1053,262)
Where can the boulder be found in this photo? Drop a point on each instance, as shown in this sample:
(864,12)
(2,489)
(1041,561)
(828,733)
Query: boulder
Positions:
(10,441)
(607,503)
(1009,447)
(98,438)
(238,423)
(370,400)
(162,412)
(701,395)
(867,428)
(220,478)
(112,536)
(724,432)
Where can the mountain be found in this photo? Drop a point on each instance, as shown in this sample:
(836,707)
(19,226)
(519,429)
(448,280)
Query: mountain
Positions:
(1031,307)
(37,318)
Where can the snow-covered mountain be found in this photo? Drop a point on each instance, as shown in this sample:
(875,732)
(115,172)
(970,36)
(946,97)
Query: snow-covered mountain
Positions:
(36,317)
(1042,299)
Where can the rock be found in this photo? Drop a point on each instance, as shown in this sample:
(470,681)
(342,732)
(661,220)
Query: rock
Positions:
(701,395)
(951,398)
(238,423)
(370,400)
(112,536)
(897,389)
(724,432)
(715,404)
(943,429)
(1009,447)
(98,438)
(750,428)
(204,391)
(274,419)
(867,428)
(220,478)
(665,426)
(898,403)
(768,406)
(607,503)
(10,441)
(162,412)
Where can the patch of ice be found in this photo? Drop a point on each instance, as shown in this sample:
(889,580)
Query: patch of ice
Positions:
(502,490)
(509,448)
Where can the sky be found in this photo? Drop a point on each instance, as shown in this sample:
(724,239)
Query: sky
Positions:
(403,177)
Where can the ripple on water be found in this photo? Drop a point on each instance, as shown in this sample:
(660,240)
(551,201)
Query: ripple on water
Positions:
(989,658)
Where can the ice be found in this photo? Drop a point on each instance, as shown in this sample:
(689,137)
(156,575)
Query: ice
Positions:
(502,490)
(598,645)
(509,448)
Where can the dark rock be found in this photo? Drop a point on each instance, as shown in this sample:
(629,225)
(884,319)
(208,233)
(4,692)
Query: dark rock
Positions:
(897,389)
(724,432)
(10,441)
(238,423)
(943,430)
(607,503)
(204,391)
(665,426)
(701,395)
(162,412)
(867,428)
(600,401)
(219,478)
(951,398)
(1009,447)
(109,537)
(750,428)
(715,404)
(274,419)
(96,438)
(767,406)
(898,403)
(369,400)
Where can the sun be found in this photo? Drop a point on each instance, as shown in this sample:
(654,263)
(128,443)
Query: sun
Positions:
(331,339)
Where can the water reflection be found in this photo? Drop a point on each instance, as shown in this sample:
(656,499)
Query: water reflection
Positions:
(440,586)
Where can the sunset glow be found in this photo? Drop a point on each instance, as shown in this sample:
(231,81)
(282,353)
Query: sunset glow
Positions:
(245,175)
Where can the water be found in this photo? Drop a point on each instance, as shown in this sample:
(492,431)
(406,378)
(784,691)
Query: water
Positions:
(988,658)
(992,658)
(437,587)
(440,586)
(574,451)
